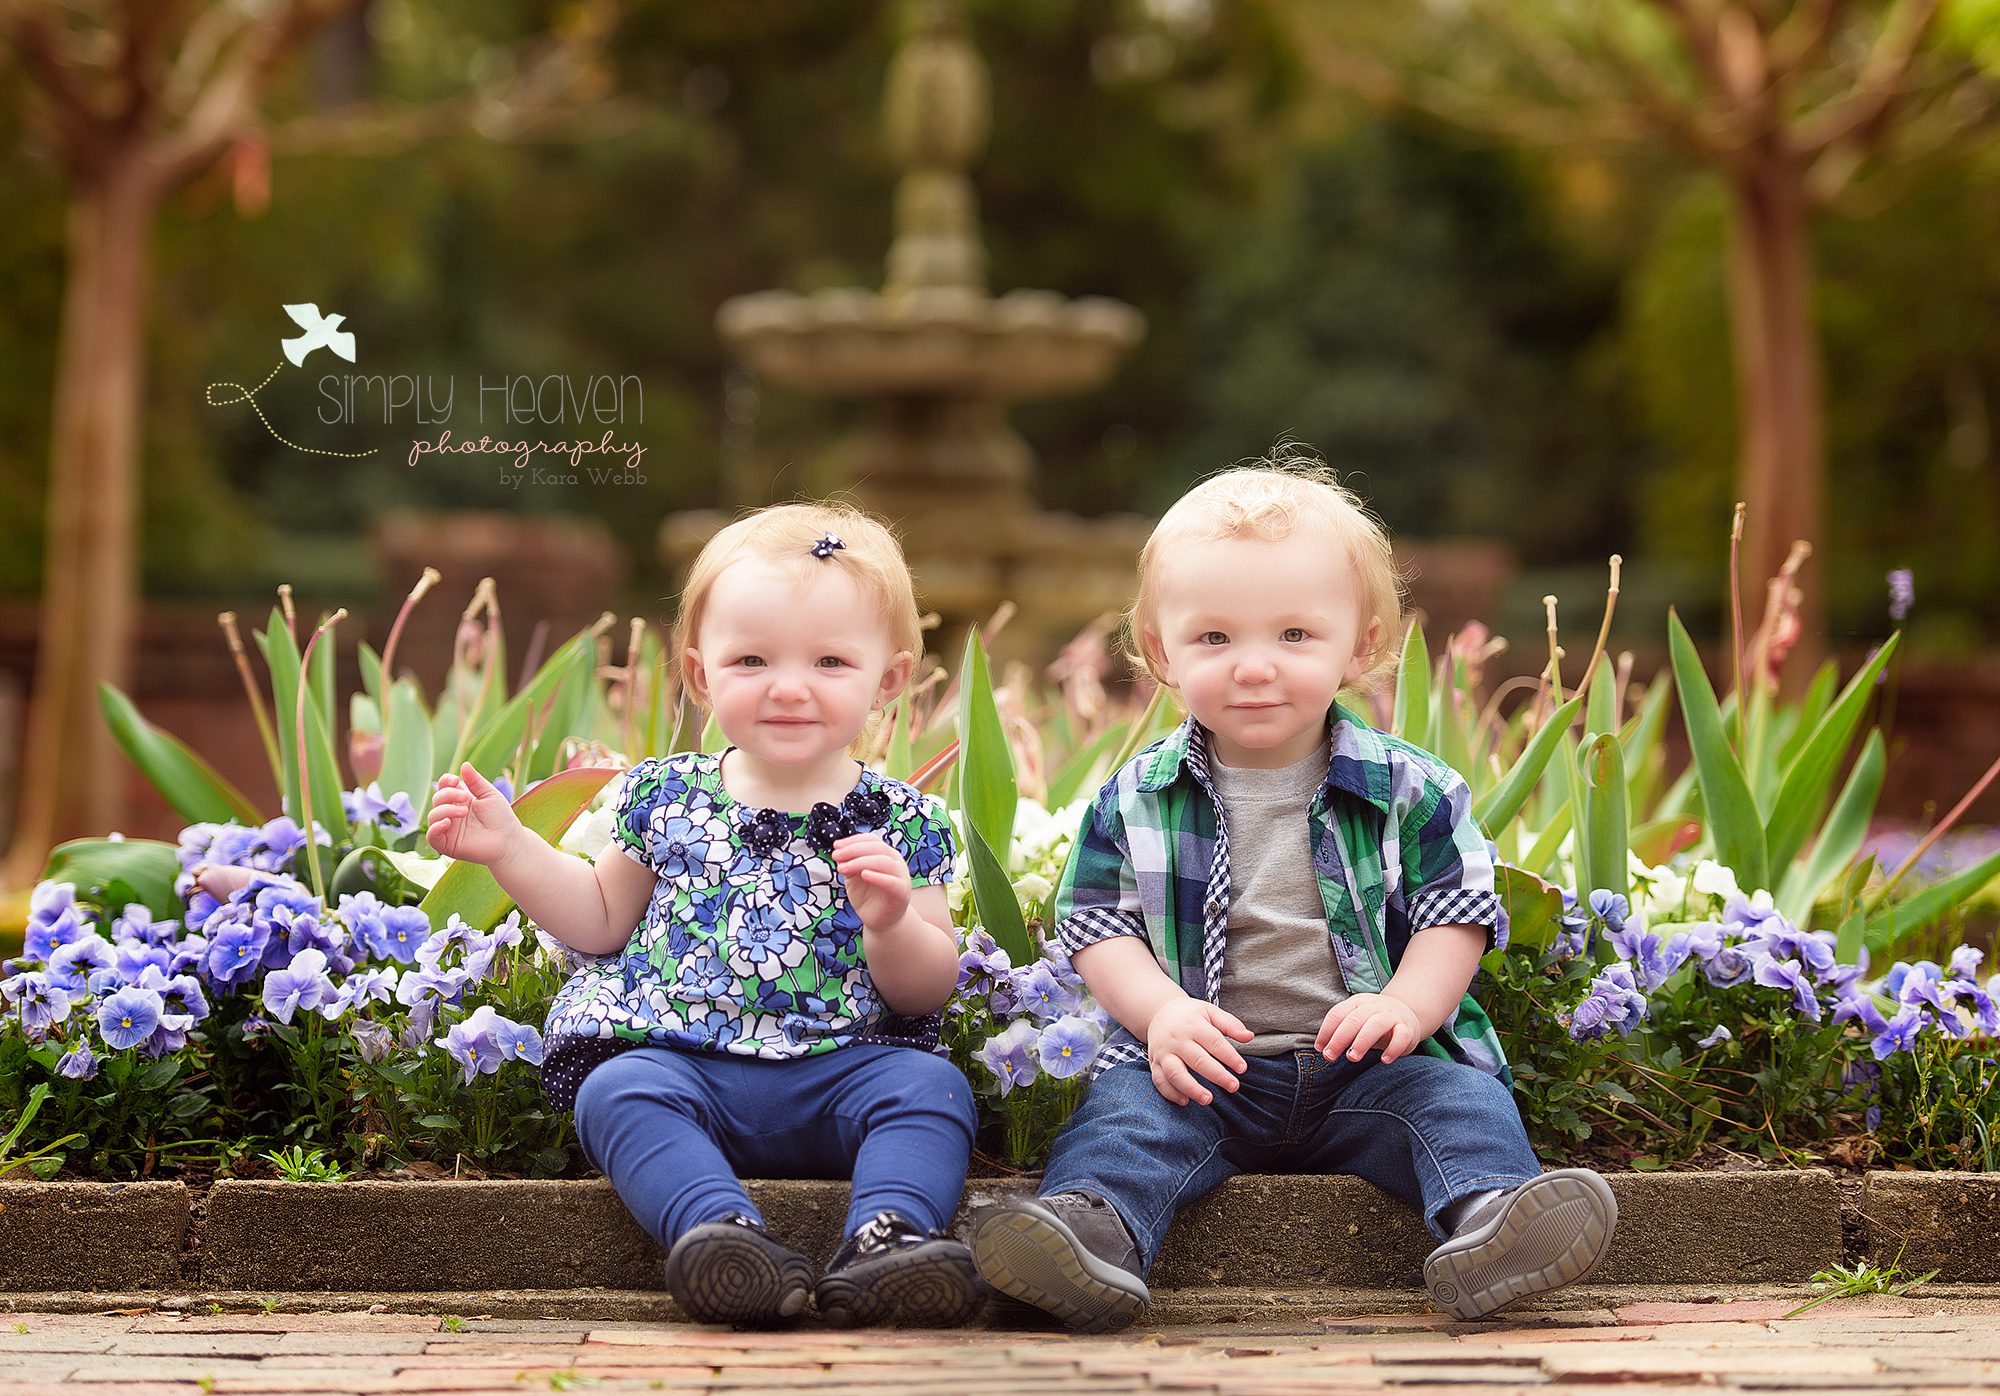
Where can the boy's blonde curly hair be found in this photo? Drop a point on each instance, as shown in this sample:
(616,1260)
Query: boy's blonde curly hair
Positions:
(784,534)
(1271,498)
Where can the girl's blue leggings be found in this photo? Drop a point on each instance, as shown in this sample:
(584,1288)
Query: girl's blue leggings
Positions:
(673,1130)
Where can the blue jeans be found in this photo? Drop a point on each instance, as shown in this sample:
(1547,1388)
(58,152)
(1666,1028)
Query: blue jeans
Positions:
(1424,1129)
(672,1130)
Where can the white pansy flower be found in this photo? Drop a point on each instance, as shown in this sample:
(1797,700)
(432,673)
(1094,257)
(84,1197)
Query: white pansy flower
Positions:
(589,831)
(1714,880)
(418,869)
(1031,889)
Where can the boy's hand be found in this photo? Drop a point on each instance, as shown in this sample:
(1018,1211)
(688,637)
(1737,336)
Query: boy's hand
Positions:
(1189,1037)
(1369,1020)
(877,878)
(470,819)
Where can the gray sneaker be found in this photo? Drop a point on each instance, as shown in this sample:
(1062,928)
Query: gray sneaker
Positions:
(1068,1254)
(1548,1232)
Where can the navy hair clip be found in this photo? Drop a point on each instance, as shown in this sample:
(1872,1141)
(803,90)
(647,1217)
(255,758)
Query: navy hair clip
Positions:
(824,547)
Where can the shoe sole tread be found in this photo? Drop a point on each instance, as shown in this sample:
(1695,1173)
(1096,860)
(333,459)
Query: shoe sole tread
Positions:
(733,1275)
(1038,1262)
(1551,1233)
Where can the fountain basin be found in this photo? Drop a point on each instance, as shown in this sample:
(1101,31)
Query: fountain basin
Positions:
(851,342)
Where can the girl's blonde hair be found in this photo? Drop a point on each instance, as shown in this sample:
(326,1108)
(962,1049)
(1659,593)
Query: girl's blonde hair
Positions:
(783,535)
(1272,498)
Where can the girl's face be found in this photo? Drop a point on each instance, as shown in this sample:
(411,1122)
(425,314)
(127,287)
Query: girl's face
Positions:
(1258,635)
(792,672)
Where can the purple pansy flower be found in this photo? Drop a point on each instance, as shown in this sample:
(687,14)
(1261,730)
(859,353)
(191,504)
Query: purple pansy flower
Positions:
(1066,1046)
(1788,974)
(42,1002)
(1010,1054)
(78,1064)
(1045,997)
(1653,960)
(128,1017)
(301,984)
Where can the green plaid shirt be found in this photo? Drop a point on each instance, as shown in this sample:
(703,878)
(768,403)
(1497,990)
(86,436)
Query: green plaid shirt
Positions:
(1394,845)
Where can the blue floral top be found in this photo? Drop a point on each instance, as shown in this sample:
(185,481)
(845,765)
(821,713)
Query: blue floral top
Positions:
(749,944)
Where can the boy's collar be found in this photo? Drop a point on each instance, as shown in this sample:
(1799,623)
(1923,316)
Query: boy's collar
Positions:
(1359,763)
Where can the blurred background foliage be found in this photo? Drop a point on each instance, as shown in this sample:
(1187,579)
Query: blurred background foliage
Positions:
(1524,345)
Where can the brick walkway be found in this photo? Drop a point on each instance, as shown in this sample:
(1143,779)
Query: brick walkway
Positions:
(1851,1347)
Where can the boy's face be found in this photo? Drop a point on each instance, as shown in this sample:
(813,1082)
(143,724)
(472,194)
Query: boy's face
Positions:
(792,673)
(1258,635)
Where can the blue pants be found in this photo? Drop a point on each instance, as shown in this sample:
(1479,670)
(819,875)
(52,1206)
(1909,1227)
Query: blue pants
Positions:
(672,1130)
(1427,1130)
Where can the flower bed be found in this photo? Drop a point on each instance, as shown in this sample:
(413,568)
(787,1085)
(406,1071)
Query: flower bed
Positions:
(315,1006)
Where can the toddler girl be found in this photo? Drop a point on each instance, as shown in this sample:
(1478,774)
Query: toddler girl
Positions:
(792,945)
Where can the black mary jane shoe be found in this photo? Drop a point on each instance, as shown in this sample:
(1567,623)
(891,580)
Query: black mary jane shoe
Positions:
(732,1271)
(890,1271)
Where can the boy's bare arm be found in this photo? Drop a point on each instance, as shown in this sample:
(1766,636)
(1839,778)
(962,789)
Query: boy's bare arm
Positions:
(1421,997)
(1122,975)
(1185,1036)
(1437,969)
(590,909)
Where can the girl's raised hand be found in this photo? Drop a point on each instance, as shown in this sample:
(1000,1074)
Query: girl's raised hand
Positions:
(469,818)
(878,880)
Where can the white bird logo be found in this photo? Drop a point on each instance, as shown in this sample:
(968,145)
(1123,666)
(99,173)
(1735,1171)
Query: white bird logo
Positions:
(320,331)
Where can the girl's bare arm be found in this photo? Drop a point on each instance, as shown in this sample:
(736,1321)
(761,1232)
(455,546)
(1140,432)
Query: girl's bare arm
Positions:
(590,909)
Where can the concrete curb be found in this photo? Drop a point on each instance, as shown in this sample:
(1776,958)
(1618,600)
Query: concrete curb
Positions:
(1948,1222)
(1303,1232)
(92,1235)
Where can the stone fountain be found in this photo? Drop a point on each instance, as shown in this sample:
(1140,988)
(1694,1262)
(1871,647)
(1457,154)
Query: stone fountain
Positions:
(933,360)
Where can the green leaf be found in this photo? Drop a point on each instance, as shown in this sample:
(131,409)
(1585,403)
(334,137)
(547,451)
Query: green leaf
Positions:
(1889,927)
(1080,771)
(495,746)
(468,889)
(407,755)
(367,869)
(371,670)
(281,656)
(1852,936)
(1840,838)
(1542,857)
(440,1122)
(1733,822)
(1500,804)
(1602,703)
(988,795)
(1802,798)
(197,792)
(567,711)
(1451,724)
(1643,738)
(112,872)
(1412,714)
(1534,907)
(1810,709)
(993,894)
(1660,839)
(1602,767)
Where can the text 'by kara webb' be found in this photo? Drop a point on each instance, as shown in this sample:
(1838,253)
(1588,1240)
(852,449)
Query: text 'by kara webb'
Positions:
(517,399)
(522,453)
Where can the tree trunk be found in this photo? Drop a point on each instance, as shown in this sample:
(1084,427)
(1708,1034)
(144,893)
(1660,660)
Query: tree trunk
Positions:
(1781,475)
(71,778)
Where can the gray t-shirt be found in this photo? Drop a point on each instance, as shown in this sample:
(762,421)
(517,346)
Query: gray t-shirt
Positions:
(1279,974)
